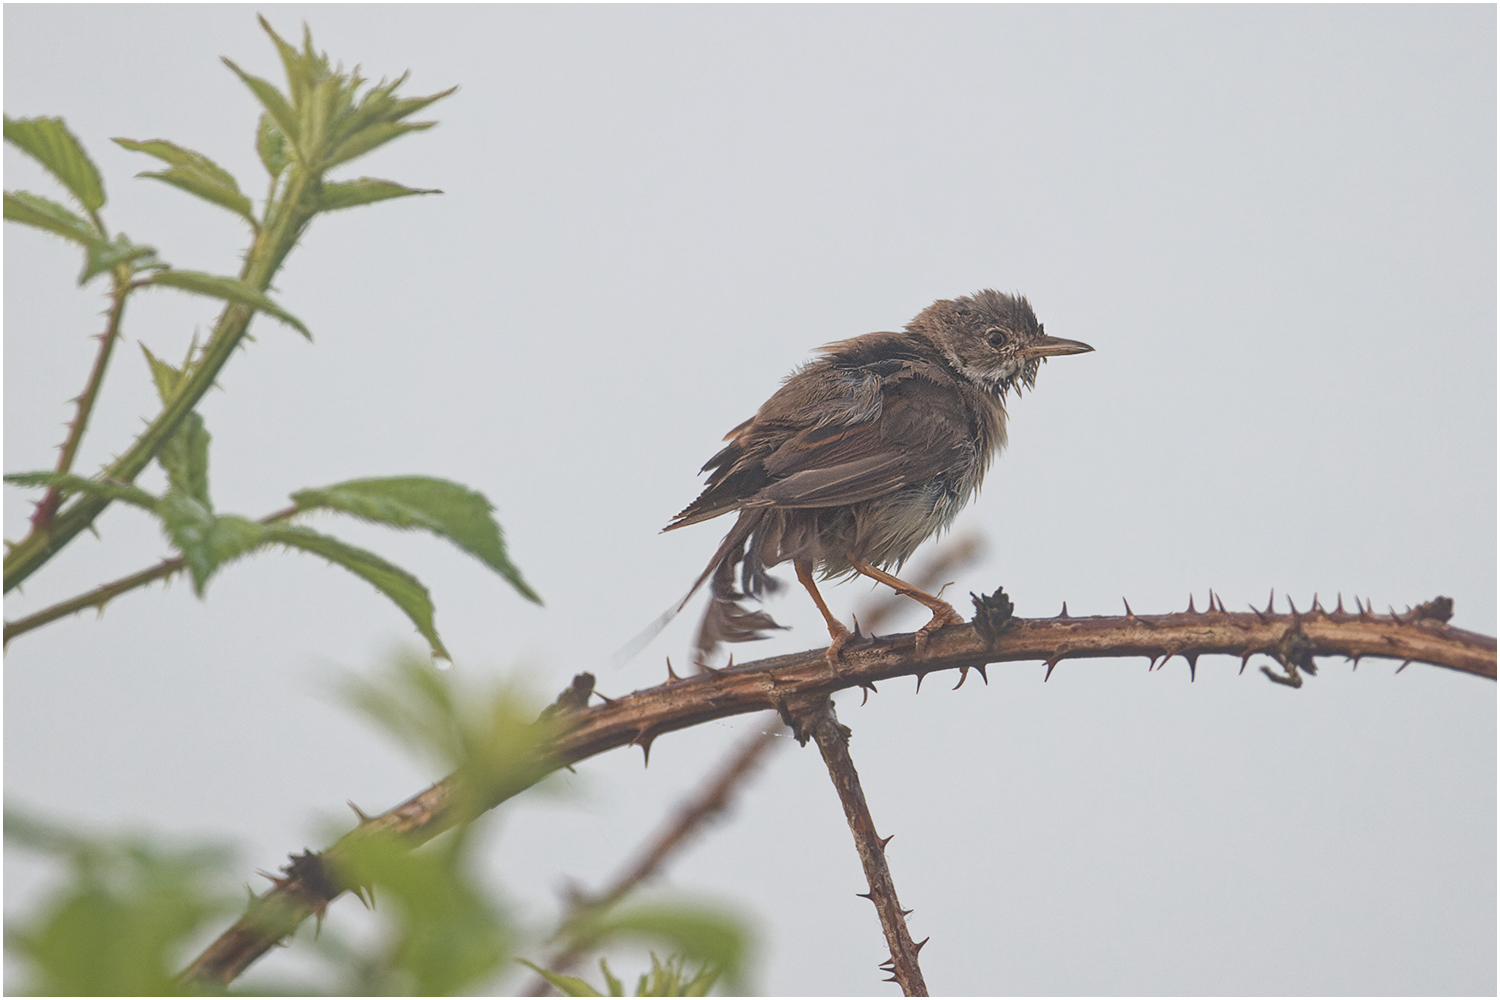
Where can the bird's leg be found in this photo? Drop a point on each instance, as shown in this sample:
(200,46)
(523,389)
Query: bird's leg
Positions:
(942,612)
(836,628)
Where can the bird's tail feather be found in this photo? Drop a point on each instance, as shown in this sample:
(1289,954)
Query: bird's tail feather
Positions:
(725,619)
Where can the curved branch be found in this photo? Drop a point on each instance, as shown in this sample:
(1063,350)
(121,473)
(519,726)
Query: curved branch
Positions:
(787,682)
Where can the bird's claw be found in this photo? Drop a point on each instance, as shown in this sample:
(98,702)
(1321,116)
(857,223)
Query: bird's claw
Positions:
(942,617)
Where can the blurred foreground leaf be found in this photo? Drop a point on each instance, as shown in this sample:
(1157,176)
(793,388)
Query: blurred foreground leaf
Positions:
(120,919)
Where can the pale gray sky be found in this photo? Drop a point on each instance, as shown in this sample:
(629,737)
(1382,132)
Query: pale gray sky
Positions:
(1275,224)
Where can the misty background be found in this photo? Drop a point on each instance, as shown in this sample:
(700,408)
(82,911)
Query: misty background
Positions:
(1276,226)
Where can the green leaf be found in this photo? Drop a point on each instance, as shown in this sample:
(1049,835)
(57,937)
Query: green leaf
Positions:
(206,540)
(568,986)
(67,484)
(347,194)
(371,137)
(448,510)
(194,173)
(392,581)
(611,981)
(230,290)
(270,143)
(102,256)
(34,210)
(185,455)
(117,913)
(54,147)
(447,938)
(711,936)
(272,100)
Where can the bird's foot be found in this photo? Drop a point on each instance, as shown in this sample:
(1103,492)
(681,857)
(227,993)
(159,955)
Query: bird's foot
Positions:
(943,615)
(840,635)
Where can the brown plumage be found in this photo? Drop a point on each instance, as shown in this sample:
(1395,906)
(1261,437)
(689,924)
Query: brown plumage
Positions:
(863,454)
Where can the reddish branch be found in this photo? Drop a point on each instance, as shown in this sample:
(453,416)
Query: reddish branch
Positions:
(833,743)
(1293,640)
(691,814)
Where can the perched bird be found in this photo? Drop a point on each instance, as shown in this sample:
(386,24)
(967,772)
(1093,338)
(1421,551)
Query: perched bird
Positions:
(861,455)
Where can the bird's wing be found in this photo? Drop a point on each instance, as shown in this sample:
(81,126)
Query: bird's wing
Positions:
(919,432)
(822,442)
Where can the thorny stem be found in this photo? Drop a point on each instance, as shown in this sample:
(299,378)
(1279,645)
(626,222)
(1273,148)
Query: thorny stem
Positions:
(104,593)
(833,743)
(46,508)
(778,682)
(707,802)
(287,220)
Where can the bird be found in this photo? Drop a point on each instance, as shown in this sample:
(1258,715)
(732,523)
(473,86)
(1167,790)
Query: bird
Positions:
(863,454)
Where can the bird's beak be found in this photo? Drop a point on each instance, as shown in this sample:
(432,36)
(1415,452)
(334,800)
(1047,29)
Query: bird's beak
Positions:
(1048,347)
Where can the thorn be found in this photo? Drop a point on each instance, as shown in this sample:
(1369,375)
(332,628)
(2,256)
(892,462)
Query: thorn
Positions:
(1355,660)
(730,664)
(866,687)
(1192,666)
(866,895)
(1051,665)
(1403,666)
(890,980)
(1128,612)
(644,739)
(1150,664)
(921,675)
(1190,609)
(1271,602)
(607,699)
(1340,609)
(1394,617)
(963,675)
(1258,614)
(857,633)
(672,677)
(1295,612)
(1316,607)
(1244,661)
(907,913)
(1064,612)
(980,669)
(363,819)
(922,943)
(1364,610)
(886,840)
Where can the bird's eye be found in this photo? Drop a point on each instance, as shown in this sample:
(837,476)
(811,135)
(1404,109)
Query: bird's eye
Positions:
(995,335)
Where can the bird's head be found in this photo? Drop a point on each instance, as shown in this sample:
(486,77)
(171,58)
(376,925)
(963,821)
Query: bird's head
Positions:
(992,339)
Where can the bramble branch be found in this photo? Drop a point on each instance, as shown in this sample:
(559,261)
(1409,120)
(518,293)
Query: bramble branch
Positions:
(1293,639)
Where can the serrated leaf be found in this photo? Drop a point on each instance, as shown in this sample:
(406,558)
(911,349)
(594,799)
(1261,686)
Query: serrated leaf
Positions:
(568,986)
(68,484)
(347,194)
(272,100)
(392,581)
(270,143)
(371,137)
(194,173)
(196,183)
(228,289)
(185,455)
(449,510)
(43,213)
(101,256)
(206,540)
(49,142)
